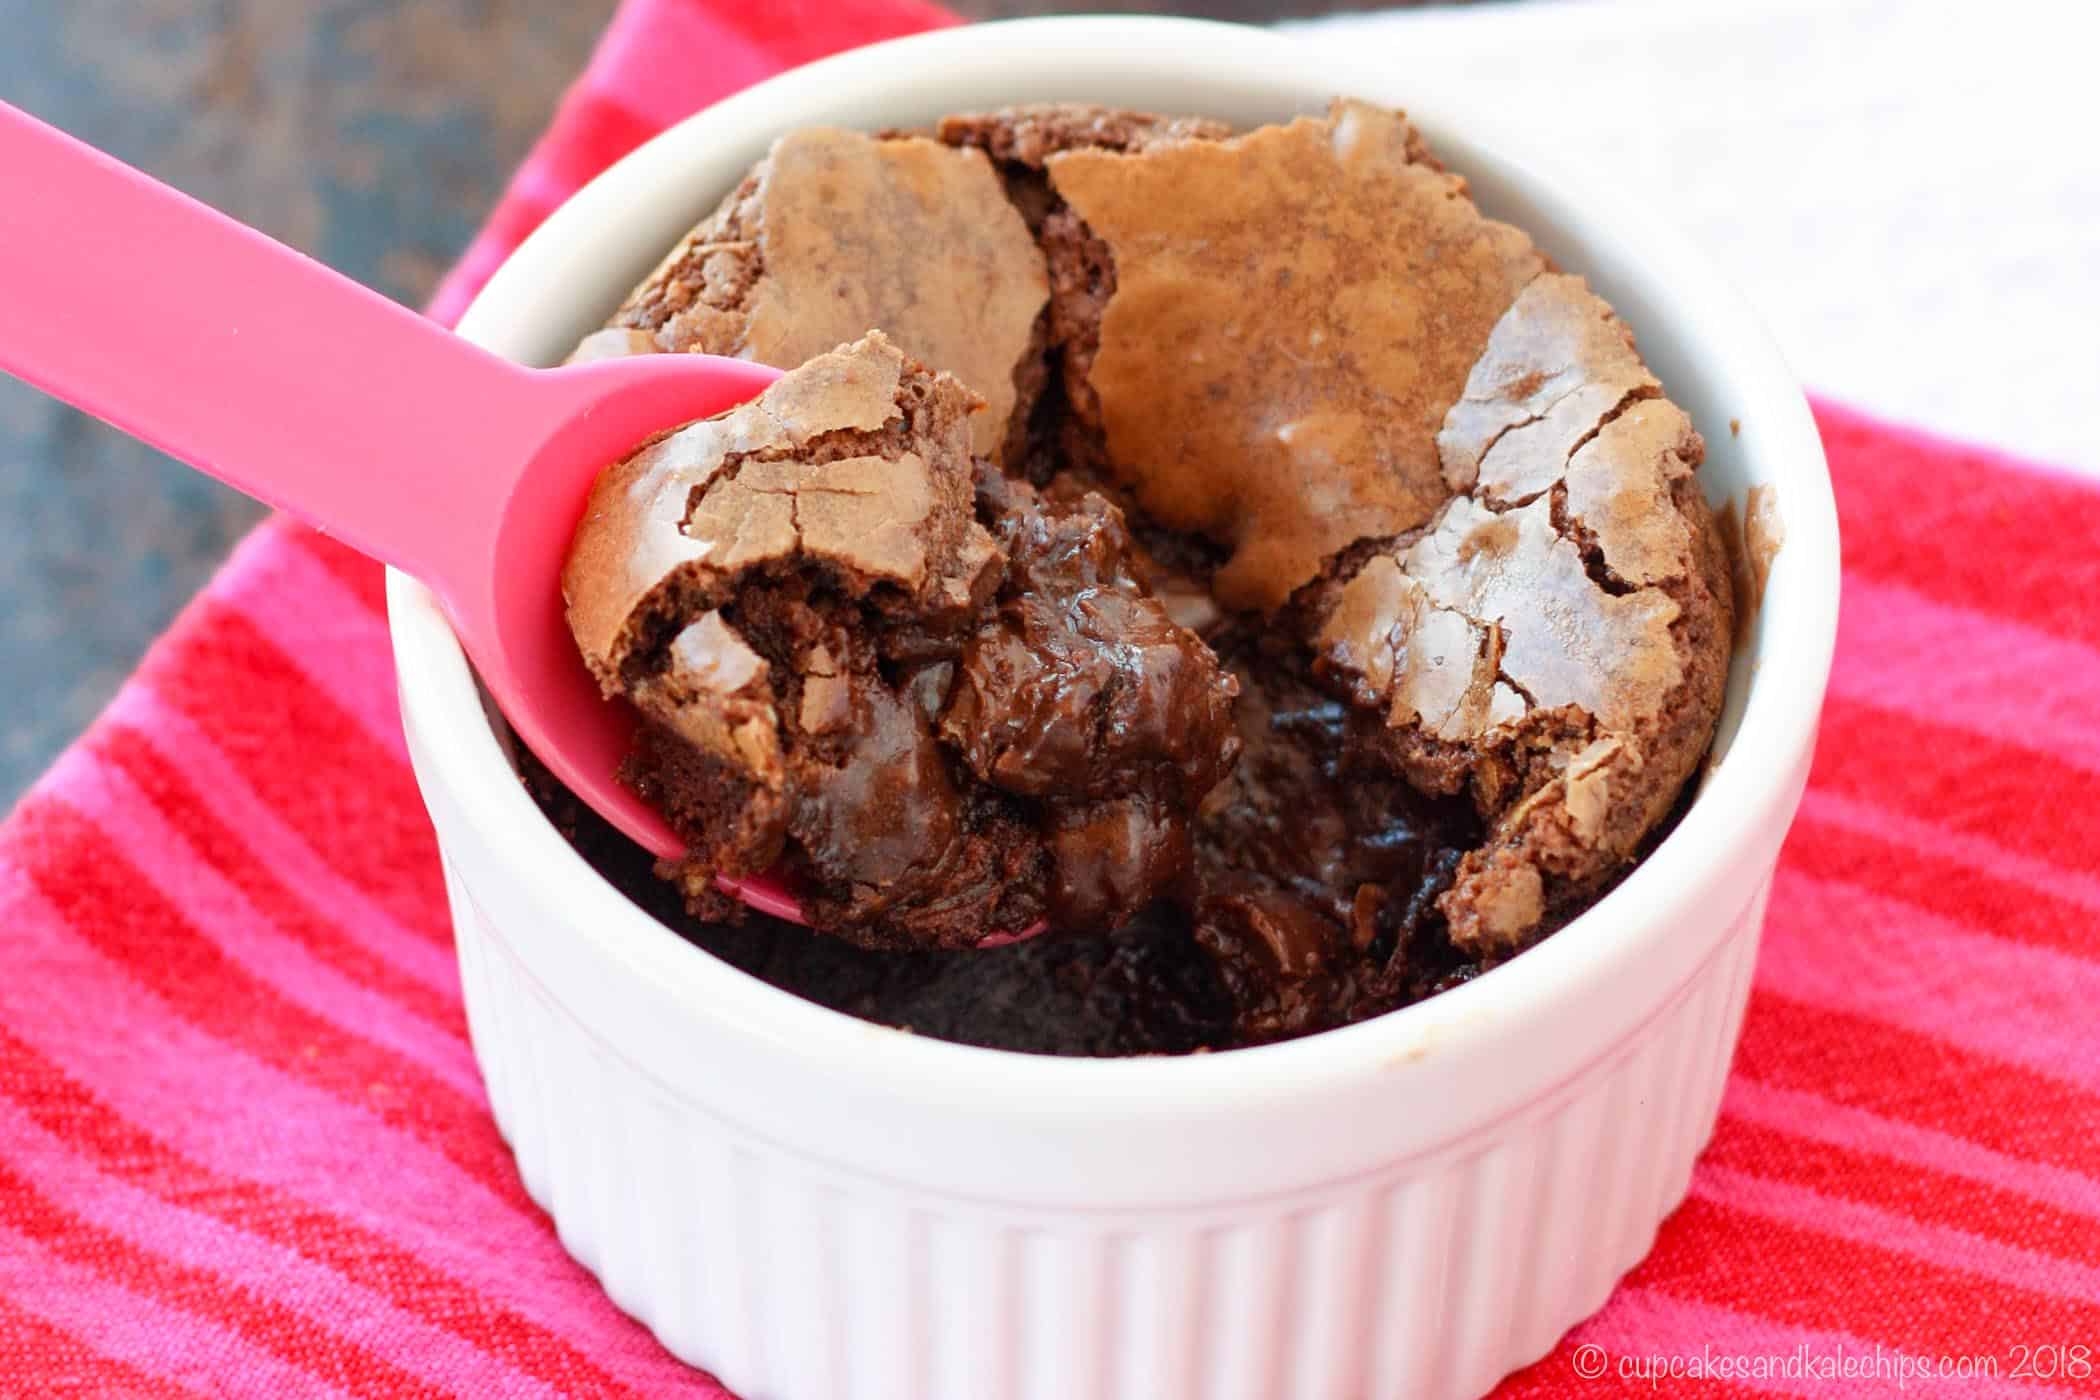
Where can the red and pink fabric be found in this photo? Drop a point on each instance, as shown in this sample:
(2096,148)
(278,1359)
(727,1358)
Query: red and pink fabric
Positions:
(244,1149)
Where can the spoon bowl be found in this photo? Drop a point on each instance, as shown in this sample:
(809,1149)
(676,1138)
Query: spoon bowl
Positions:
(506,600)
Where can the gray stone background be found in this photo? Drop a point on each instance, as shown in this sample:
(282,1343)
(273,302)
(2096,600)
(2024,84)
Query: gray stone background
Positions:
(373,135)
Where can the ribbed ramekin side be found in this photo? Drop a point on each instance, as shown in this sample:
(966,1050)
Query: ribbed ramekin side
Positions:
(789,1278)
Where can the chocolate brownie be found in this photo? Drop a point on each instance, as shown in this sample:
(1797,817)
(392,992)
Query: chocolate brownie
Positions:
(1144,989)
(1274,378)
(1556,642)
(1082,273)
(1153,987)
(945,734)
(836,233)
(1329,612)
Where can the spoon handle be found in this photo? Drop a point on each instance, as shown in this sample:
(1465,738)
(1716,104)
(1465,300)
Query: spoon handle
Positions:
(249,361)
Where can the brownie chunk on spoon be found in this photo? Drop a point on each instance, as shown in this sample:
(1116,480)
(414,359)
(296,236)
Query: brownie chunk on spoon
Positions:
(943,734)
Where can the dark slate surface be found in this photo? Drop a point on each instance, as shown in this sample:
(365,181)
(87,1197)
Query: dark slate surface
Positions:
(371,133)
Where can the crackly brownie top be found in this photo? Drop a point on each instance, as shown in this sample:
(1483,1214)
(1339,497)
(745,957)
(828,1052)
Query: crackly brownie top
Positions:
(836,233)
(1557,637)
(857,460)
(1347,585)
(949,733)
(1294,312)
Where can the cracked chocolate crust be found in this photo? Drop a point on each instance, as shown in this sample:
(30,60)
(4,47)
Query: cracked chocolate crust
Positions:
(1081,269)
(1555,641)
(1528,549)
(784,269)
(1490,555)
(941,733)
(1269,328)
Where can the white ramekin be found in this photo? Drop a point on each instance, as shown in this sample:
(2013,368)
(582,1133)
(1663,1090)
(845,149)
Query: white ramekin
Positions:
(811,1206)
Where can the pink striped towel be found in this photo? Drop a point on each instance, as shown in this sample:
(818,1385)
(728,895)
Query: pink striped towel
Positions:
(243,1147)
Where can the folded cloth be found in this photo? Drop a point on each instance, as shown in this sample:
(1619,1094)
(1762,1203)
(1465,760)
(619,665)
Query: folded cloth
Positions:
(243,1146)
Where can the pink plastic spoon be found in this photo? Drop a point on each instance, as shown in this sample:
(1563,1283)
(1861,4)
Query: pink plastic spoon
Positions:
(286,381)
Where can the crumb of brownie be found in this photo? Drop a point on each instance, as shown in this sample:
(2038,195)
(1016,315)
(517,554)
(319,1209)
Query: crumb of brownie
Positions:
(1764,535)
